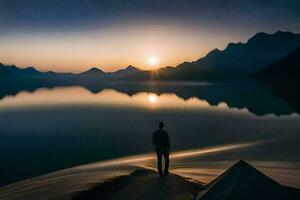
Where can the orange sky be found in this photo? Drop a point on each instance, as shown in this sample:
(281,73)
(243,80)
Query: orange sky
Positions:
(73,36)
(110,49)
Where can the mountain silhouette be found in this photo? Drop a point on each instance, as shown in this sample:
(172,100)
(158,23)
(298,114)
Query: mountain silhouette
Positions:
(258,52)
(242,181)
(287,68)
(233,95)
(237,61)
(92,73)
(282,78)
(124,72)
(13,71)
(250,57)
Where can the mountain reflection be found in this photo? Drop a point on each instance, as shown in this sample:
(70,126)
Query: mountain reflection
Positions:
(79,95)
(160,96)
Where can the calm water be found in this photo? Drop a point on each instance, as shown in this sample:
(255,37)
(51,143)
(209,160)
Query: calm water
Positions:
(45,130)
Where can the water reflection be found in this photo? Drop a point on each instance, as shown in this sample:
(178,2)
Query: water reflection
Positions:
(63,127)
(235,95)
(152,98)
(109,97)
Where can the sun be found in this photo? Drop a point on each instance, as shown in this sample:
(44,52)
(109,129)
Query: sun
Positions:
(153,61)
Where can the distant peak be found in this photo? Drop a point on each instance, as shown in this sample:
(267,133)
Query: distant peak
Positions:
(168,67)
(258,36)
(130,67)
(186,63)
(50,72)
(94,69)
(216,50)
(277,34)
(30,68)
(231,45)
(213,52)
(283,33)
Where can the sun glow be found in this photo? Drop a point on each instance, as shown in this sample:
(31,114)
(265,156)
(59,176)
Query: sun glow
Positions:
(153,61)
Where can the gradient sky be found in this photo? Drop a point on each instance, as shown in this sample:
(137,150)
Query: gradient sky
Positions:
(74,35)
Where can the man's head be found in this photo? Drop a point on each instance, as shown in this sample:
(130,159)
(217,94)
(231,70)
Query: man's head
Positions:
(161,125)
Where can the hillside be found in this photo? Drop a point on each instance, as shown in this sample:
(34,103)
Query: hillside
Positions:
(282,78)
(258,52)
(236,62)
(286,68)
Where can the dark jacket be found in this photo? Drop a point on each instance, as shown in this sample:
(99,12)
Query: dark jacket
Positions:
(161,140)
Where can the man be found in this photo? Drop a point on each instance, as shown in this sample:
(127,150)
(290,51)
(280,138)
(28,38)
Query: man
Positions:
(161,142)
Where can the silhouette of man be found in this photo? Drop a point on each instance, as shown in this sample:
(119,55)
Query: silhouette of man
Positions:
(161,142)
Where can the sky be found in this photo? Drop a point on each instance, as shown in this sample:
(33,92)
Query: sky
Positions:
(75,35)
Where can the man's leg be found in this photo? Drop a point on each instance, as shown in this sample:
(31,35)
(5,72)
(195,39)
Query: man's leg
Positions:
(159,166)
(166,156)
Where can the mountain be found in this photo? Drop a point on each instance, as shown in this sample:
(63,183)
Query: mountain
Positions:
(8,72)
(287,68)
(13,71)
(244,182)
(125,72)
(237,61)
(258,52)
(282,78)
(92,73)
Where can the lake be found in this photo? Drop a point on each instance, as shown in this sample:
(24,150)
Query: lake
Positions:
(48,129)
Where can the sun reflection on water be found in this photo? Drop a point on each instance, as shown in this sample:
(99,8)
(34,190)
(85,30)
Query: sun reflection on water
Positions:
(107,97)
(152,98)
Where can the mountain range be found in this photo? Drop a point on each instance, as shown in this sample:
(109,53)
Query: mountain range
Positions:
(258,52)
(236,61)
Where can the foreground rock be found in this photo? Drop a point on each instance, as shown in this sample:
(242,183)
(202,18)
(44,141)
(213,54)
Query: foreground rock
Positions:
(143,184)
(244,182)
(240,182)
